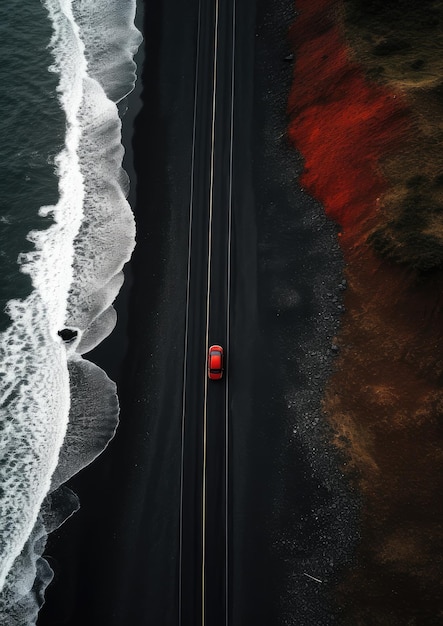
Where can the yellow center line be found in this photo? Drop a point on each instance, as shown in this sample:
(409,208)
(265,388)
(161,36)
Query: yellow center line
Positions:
(208,288)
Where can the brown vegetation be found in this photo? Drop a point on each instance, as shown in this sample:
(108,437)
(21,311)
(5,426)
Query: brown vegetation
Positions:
(366,114)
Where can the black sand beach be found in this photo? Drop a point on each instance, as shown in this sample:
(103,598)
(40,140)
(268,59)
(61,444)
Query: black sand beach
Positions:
(116,560)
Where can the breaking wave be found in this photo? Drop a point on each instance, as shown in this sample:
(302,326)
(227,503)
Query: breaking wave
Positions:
(50,421)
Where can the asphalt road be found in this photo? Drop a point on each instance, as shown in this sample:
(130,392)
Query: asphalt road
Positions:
(204,495)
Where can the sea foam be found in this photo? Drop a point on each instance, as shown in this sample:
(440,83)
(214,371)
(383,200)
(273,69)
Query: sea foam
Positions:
(76,271)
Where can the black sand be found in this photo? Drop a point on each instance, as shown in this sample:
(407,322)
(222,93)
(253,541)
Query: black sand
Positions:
(116,560)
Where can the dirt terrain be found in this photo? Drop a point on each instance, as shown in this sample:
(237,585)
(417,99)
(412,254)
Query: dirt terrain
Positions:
(365,111)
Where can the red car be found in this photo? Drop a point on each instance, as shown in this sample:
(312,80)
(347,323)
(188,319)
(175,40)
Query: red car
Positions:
(215,362)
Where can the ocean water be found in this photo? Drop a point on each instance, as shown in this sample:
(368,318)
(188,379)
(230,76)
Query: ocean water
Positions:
(66,230)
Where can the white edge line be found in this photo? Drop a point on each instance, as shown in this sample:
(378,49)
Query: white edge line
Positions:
(228,319)
(208,289)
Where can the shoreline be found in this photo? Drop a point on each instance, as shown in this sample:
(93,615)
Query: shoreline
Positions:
(65,546)
(110,354)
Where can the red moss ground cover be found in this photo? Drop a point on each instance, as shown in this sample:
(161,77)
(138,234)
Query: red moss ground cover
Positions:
(361,140)
(341,124)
